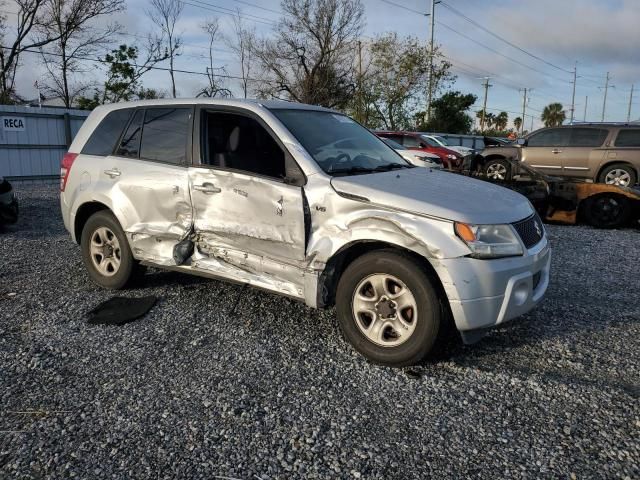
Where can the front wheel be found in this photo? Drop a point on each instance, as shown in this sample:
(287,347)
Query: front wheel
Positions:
(606,210)
(497,170)
(388,309)
(106,252)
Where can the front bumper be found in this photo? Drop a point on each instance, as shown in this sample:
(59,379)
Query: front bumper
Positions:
(487,293)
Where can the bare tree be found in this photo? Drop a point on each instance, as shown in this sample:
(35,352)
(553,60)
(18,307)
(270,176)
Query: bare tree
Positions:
(242,44)
(165,14)
(310,59)
(215,88)
(18,38)
(70,21)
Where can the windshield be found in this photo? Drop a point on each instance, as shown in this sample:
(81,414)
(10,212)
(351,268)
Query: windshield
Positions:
(430,141)
(393,144)
(339,145)
(441,141)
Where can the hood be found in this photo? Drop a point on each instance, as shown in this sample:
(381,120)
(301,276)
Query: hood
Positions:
(441,194)
(460,149)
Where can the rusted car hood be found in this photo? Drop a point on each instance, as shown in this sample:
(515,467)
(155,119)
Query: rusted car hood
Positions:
(440,194)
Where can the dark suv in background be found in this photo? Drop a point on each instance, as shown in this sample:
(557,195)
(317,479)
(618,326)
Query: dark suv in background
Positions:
(600,152)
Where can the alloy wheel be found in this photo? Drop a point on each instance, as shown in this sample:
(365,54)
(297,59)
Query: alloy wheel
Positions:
(105,251)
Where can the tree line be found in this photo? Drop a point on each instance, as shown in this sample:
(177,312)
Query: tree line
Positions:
(315,54)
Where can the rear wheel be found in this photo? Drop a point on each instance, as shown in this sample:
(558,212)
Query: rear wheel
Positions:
(619,174)
(496,169)
(606,210)
(106,252)
(388,309)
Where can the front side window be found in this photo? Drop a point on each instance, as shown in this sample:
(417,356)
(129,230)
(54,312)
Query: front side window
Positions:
(588,137)
(165,135)
(130,143)
(429,141)
(628,138)
(241,143)
(339,145)
(441,141)
(553,137)
(104,137)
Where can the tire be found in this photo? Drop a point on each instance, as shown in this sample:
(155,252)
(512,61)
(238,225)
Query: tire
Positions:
(497,170)
(422,316)
(106,252)
(606,210)
(619,174)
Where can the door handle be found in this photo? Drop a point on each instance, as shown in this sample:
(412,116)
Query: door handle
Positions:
(555,150)
(207,188)
(114,172)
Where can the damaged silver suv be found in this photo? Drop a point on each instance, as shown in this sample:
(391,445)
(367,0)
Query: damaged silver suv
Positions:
(305,202)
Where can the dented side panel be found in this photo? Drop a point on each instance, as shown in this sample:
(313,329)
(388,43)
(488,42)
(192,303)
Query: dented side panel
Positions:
(249,227)
(152,202)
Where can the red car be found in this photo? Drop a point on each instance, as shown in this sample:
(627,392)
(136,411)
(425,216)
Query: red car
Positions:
(415,141)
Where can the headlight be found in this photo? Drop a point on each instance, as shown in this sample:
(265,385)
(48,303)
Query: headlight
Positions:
(451,156)
(489,241)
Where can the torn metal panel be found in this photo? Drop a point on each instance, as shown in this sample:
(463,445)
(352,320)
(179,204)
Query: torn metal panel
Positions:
(153,206)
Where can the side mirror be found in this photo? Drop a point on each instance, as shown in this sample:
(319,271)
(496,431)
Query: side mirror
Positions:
(521,141)
(423,145)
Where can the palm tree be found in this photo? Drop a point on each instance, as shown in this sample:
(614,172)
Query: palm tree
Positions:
(553,115)
(501,121)
(517,123)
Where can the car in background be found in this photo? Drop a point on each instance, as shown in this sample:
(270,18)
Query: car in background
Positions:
(451,159)
(419,159)
(8,203)
(464,151)
(598,152)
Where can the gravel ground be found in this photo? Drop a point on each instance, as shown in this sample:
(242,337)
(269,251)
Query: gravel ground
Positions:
(220,381)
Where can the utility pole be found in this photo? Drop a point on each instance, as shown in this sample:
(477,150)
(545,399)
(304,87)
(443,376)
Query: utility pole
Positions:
(486,86)
(531,129)
(360,109)
(573,95)
(586,102)
(604,102)
(432,16)
(630,100)
(524,106)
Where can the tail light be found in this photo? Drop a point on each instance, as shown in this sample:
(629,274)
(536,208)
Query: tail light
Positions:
(65,168)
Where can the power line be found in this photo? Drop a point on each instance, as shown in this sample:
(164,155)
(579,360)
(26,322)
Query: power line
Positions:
(499,53)
(511,44)
(164,69)
(229,12)
(404,7)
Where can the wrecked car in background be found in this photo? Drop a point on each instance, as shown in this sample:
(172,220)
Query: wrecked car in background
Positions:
(305,202)
(565,200)
(8,203)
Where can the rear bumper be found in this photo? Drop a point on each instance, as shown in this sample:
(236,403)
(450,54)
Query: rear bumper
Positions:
(8,208)
(487,293)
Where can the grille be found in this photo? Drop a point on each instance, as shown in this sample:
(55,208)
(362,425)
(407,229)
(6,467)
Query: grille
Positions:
(530,230)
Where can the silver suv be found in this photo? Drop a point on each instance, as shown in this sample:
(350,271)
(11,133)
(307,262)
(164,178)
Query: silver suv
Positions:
(302,201)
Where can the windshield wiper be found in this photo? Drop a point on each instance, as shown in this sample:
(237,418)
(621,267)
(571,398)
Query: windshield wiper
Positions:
(351,170)
(391,166)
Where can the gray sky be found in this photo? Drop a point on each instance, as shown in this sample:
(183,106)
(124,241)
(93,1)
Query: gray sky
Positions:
(601,35)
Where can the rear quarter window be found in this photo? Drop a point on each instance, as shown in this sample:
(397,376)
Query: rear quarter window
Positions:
(628,138)
(103,139)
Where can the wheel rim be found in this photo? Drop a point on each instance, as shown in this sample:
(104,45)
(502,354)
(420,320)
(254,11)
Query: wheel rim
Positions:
(385,310)
(105,251)
(619,177)
(606,210)
(496,171)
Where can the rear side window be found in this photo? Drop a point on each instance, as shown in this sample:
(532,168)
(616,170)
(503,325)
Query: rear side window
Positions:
(165,135)
(104,137)
(628,138)
(587,137)
(554,137)
(130,143)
